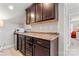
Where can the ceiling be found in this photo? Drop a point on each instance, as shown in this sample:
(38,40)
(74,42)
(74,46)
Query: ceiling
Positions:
(7,14)
(19,11)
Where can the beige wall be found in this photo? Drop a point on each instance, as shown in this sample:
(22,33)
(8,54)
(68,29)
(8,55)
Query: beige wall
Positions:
(6,34)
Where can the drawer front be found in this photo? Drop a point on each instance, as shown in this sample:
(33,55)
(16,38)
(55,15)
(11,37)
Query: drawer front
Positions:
(29,39)
(42,42)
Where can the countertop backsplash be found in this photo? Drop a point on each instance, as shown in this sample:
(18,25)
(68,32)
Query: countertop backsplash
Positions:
(43,27)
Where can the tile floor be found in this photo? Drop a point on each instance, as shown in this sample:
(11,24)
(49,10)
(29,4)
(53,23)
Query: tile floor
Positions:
(10,52)
(74,49)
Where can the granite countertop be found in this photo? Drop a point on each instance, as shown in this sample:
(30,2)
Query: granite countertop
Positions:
(42,35)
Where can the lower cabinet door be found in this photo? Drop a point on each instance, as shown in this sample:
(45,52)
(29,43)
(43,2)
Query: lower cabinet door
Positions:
(29,49)
(28,52)
(20,44)
(23,47)
(41,51)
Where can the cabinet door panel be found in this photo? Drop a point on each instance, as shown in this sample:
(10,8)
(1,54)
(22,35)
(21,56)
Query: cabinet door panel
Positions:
(29,46)
(38,12)
(32,13)
(48,11)
(41,47)
(28,16)
(22,44)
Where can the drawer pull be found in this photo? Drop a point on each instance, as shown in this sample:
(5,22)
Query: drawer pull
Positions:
(39,42)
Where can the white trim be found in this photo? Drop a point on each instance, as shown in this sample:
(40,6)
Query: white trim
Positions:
(64,28)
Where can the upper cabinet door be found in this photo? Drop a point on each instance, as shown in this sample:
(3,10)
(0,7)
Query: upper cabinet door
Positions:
(39,12)
(32,13)
(48,11)
(28,16)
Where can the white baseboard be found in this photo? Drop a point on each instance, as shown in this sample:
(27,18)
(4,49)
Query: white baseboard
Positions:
(6,47)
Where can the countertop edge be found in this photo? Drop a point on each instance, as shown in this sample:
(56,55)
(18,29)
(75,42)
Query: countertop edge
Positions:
(54,36)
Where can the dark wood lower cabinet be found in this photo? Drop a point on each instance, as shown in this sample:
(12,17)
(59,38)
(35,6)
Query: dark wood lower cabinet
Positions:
(31,46)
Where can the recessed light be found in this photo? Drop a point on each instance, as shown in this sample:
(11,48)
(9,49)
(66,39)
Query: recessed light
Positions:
(11,7)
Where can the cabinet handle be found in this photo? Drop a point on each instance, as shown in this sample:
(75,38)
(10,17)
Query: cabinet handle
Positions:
(39,42)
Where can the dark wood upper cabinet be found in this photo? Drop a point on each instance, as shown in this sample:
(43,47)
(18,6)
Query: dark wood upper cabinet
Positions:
(48,11)
(32,13)
(28,16)
(39,12)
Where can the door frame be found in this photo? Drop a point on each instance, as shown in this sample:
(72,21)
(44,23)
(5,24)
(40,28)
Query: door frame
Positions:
(64,28)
